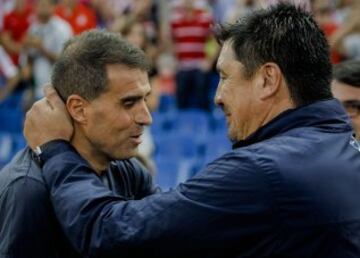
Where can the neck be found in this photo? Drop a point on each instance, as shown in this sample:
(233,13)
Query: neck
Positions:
(277,109)
(268,112)
(97,161)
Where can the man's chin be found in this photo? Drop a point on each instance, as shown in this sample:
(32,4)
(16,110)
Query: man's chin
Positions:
(231,137)
(125,155)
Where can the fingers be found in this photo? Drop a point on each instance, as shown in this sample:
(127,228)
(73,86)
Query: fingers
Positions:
(53,98)
(42,124)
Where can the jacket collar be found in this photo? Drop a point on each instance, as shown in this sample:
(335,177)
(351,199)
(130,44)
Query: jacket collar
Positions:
(327,114)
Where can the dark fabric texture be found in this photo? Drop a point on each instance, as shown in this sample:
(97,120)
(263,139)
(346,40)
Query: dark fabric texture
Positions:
(28,225)
(292,189)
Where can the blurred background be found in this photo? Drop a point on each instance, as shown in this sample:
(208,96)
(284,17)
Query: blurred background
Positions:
(188,130)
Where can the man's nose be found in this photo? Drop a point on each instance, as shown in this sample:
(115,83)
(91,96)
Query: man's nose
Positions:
(218,96)
(143,115)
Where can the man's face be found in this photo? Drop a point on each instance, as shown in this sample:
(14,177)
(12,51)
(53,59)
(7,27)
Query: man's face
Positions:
(136,35)
(116,118)
(44,10)
(236,95)
(350,97)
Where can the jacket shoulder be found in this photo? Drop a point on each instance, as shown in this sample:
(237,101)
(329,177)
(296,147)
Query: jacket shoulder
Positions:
(21,166)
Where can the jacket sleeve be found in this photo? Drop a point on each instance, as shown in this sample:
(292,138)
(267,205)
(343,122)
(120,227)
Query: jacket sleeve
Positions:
(215,211)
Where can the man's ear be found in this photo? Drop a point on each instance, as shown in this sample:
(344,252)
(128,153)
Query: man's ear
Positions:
(76,106)
(271,80)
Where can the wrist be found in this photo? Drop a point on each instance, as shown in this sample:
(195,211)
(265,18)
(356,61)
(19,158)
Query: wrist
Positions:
(50,149)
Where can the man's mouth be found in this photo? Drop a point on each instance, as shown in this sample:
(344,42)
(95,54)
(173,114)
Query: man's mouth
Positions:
(136,138)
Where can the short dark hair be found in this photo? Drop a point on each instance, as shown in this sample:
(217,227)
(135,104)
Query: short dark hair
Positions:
(81,67)
(288,36)
(348,72)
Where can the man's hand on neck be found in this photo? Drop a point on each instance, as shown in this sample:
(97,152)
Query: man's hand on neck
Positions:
(47,120)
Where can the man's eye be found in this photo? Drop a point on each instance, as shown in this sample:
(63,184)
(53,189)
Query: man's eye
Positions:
(129,104)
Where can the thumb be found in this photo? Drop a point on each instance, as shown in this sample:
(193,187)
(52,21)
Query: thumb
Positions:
(52,97)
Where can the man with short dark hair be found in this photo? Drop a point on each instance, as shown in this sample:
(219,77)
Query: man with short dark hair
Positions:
(346,87)
(289,188)
(103,81)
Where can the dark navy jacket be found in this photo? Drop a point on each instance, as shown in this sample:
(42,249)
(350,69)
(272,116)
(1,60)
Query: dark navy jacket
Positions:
(291,189)
(28,226)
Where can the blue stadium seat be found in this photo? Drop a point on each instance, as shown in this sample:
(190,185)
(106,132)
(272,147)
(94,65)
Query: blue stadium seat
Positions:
(162,123)
(167,103)
(217,146)
(178,145)
(6,146)
(218,120)
(167,172)
(192,121)
(10,144)
(19,142)
(172,171)
(11,120)
(12,102)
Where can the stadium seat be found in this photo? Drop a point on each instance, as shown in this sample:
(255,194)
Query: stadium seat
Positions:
(177,145)
(192,121)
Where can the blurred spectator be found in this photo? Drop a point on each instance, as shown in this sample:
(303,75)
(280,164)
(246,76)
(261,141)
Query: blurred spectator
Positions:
(164,81)
(239,9)
(5,7)
(80,16)
(343,9)
(221,9)
(143,11)
(16,24)
(44,42)
(303,4)
(347,39)
(346,88)
(190,28)
(135,32)
(108,10)
(9,76)
(323,13)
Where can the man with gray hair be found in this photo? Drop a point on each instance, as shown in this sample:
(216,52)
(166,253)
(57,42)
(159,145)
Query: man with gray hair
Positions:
(104,84)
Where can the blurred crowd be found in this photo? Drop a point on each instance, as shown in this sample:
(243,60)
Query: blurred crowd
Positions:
(175,34)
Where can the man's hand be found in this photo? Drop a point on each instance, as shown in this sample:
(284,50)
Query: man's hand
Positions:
(47,120)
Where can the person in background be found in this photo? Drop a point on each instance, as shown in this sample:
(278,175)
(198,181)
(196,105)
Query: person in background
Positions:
(103,81)
(324,15)
(16,24)
(190,31)
(343,9)
(44,42)
(346,88)
(12,37)
(240,9)
(5,7)
(79,16)
(346,40)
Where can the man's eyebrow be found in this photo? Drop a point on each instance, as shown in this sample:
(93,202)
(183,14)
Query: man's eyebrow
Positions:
(134,97)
